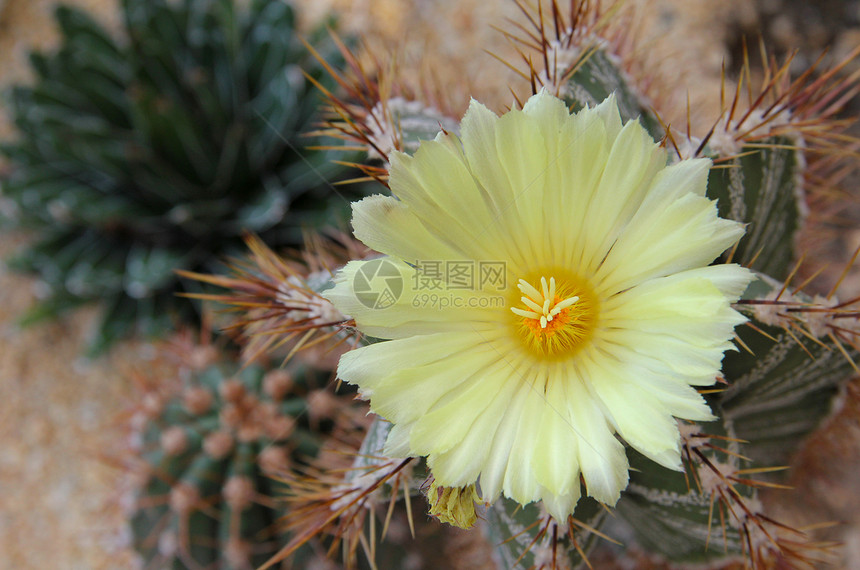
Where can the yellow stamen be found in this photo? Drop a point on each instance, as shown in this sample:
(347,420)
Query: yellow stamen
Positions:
(546,312)
(555,319)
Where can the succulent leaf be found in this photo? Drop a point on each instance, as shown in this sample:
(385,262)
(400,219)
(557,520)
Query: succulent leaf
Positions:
(186,134)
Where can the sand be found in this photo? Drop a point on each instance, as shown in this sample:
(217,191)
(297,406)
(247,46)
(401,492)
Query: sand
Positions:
(58,499)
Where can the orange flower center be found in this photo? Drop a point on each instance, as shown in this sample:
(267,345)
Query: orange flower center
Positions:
(554,319)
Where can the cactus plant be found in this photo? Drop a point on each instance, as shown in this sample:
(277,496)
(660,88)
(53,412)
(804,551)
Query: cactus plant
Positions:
(157,151)
(792,354)
(210,446)
(279,302)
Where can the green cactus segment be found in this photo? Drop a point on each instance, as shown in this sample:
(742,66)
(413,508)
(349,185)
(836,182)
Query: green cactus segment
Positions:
(206,478)
(505,527)
(371,456)
(410,121)
(668,511)
(761,188)
(597,76)
(371,450)
(781,392)
(774,398)
(157,152)
(513,531)
(670,516)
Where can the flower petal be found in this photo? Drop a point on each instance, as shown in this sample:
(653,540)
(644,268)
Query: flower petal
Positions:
(496,465)
(411,394)
(371,365)
(601,456)
(397,443)
(554,452)
(389,226)
(411,307)
(681,360)
(672,231)
(687,305)
(462,464)
(583,151)
(633,161)
(522,155)
(560,506)
(520,481)
(438,187)
(640,418)
(609,114)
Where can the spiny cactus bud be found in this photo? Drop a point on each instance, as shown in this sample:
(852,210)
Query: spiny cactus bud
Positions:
(232,390)
(322,405)
(273,460)
(184,497)
(152,404)
(202,356)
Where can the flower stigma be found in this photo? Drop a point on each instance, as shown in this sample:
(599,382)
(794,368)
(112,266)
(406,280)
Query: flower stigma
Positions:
(555,319)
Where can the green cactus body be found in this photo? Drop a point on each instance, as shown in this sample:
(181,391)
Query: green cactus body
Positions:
(779,386)
(210,461)
(401,124)
(762,187)
(524,537)
(778,394)
(673,513)
(593,76)
(185,135)
(775,396)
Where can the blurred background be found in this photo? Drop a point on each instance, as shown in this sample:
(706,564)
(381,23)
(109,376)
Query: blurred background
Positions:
(58,500)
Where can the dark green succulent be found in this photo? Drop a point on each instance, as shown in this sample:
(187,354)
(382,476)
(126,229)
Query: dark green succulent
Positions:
(156,152)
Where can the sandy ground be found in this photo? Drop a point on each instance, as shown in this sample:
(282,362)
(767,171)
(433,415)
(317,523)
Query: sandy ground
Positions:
(57,499)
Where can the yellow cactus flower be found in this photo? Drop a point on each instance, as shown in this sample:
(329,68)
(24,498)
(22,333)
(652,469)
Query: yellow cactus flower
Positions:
(601,315)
